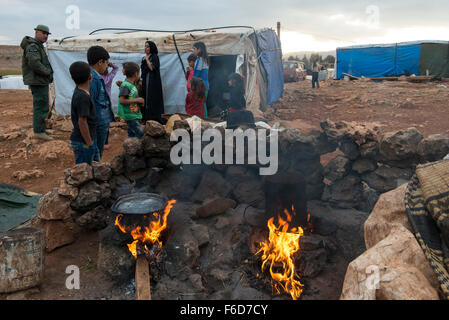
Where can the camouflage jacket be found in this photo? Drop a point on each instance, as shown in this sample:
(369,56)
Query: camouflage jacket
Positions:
(36,68)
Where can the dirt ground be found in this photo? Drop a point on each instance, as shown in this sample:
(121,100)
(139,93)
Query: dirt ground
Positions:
(38,166)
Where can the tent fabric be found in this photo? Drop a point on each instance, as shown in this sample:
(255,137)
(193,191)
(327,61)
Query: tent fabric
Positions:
(271,56)
(435,59)
(13,82)
(130,47)
(407,60)
(172,75)
(385,60)
(16,206)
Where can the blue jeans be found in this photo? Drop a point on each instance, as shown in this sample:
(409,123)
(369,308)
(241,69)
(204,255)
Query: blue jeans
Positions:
(102,133)
(83,153)
(315,80)
(134,128)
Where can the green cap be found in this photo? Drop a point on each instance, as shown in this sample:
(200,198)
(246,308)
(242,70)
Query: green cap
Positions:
(42,27)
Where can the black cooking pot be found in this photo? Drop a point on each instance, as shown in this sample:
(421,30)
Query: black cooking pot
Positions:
(139,203)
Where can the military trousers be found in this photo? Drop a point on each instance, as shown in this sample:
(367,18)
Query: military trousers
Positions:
(40,107)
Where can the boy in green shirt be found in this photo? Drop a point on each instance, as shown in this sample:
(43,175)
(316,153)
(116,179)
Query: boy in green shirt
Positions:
(129,100)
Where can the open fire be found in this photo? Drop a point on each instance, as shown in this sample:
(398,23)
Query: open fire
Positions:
(278,254)
(147,239)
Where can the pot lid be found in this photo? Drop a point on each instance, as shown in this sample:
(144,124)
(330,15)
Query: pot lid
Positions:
(139,203)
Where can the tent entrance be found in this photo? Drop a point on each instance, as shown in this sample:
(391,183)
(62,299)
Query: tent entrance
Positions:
(220,69)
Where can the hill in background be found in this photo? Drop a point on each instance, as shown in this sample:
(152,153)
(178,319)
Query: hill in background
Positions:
(10,58)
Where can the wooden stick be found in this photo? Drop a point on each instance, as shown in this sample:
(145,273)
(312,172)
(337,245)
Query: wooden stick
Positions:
(143,289)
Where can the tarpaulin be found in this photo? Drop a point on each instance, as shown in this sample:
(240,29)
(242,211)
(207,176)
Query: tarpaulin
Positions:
(367,62)
(395,59)
(435,59)
(271,57)
(16,206)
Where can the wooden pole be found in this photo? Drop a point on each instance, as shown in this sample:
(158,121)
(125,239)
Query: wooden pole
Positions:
(143,289)
(279,30)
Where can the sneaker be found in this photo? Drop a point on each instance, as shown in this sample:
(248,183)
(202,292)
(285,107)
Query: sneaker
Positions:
(42,136)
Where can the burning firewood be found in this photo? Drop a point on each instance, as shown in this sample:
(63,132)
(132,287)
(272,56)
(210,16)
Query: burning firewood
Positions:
(278,255)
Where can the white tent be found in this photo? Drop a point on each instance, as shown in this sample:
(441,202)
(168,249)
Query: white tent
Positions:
(231,50)
(12,82)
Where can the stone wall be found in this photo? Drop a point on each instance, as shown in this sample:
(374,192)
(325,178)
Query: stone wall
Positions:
(369,164)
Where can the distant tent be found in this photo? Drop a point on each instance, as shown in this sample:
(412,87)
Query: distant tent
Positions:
(392,60)
(256,54)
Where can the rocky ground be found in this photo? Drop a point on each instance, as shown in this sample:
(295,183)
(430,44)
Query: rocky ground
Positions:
(38,166)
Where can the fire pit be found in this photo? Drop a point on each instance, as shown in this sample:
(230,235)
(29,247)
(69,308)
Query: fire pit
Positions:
(144,217)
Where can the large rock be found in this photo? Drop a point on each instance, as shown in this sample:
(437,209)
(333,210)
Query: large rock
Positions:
(90,195)
(363,166)
(156,147)
(297,144)
(215,207)
(52,206)
(434,147)
(384,179)
(369,198)
(344,193)
(405,283)
(399,249)
(350,149)
(79,174)
(102,171)
(369,149)
(388,213)
(358,133)
(133,147)
(67,191)
(344,225)
(212,185)
(176,184)
(117,164)
(58,233)
(93,220)
(154,129)
(400,145)
(250,192)
(134,163)
(337,168)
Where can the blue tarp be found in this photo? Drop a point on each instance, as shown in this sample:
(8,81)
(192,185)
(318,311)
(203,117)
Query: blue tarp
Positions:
(379,61)
(271,57)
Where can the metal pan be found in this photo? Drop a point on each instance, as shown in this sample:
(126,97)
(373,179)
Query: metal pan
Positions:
(139,203)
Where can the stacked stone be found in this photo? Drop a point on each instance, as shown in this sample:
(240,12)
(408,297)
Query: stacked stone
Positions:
(79,202)
(372,165)
(299,155)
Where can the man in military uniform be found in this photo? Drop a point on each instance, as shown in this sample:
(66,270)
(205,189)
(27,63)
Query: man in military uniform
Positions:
(37,74)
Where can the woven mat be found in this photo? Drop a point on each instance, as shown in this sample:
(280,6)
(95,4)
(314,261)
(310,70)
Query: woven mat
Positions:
(427,205)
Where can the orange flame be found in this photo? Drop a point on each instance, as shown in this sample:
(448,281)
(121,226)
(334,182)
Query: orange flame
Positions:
(278,251)
(150,234)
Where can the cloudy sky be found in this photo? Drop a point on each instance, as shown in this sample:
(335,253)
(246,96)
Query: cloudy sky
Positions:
(307,25)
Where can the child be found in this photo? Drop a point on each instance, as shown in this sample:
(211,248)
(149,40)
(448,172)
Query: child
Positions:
(196,98)
(129,100)
(98,58)
(201,69)
(189,73)
(107,78)
(84,115)
(237,92)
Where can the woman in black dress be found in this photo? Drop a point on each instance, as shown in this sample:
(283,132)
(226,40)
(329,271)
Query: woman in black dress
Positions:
(152,84)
